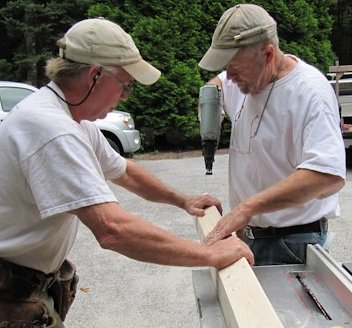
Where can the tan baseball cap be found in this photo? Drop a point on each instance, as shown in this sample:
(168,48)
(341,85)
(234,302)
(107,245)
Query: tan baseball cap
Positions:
(239,26)
(98,41)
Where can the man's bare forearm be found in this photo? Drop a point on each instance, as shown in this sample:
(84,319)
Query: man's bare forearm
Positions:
(299,188)
(144,184)
(122,232)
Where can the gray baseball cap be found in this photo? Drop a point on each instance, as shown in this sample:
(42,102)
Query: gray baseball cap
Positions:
(98,41)
(239,26)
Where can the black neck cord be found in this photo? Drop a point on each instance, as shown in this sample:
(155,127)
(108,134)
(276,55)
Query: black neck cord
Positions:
(83,100)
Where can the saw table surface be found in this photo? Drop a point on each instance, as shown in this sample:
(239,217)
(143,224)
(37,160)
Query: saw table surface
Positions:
(293,305)
(317,294)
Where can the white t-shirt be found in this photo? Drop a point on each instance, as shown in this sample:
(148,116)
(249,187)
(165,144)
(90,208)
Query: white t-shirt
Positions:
(300,128)
(231,96)
(49,165)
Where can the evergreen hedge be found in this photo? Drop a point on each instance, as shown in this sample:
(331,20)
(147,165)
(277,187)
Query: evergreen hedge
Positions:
(173,36)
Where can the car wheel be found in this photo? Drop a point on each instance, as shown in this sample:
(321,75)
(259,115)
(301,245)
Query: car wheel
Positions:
(114,145)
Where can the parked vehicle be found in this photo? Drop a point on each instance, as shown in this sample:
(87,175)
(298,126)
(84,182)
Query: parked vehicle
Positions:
(343,93)
(118,127)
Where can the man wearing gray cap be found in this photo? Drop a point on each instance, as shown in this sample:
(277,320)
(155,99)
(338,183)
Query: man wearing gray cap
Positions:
(286,154)
(53,169)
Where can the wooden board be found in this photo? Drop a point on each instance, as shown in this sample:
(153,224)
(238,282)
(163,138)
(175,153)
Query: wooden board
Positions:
(242,298)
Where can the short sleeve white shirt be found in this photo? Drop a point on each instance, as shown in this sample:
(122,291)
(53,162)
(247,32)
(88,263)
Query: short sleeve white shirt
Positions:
(49,165)
(300,128)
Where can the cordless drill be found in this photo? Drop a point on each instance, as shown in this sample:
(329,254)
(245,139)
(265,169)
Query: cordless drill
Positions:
(210,122)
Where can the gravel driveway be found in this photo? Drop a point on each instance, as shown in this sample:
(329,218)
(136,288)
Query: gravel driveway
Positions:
(116,292)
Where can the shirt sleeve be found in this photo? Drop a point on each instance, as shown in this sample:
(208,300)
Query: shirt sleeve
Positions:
(65,174)
(320,146)
(112,163)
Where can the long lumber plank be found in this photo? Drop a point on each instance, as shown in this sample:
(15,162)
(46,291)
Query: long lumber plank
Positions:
(242,298)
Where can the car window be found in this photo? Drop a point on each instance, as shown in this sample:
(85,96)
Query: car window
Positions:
(10,96)
(345,86)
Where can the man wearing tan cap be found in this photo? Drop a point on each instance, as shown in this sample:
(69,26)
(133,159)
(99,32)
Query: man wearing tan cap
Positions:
(286,154)
(54,166)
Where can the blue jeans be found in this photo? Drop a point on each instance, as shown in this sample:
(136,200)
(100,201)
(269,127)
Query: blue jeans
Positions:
(289,249)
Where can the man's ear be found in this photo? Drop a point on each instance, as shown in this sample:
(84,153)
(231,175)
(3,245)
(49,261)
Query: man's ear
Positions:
(269,52)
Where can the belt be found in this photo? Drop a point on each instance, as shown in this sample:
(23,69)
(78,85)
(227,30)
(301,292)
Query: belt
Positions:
(272,232)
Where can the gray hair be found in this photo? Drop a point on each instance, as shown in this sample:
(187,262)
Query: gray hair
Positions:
(257,47)
(61,70)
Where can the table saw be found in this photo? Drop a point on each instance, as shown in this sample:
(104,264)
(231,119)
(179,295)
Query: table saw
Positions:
(315,294)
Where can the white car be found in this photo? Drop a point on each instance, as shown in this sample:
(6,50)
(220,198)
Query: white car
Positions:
(118,127)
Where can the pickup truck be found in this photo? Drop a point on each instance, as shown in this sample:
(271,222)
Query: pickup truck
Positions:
(340,77)
(118,127)
(344,98)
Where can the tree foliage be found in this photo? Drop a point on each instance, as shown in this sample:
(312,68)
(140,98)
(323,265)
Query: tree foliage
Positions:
(342,31)
(30,29)
(172,35)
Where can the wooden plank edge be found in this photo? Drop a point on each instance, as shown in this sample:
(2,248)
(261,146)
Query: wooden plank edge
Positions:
(241,296)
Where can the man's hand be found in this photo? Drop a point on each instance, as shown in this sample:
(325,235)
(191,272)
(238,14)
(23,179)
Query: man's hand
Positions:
(196,205)
(229,223)
(230,250)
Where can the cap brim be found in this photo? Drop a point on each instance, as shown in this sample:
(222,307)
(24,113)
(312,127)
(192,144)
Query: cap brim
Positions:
(216,59)
(143,72)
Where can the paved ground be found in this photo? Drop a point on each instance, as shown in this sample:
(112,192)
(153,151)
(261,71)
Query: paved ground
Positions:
(116,292)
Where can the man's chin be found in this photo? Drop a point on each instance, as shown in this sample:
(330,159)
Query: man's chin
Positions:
(244,88)
(101,117)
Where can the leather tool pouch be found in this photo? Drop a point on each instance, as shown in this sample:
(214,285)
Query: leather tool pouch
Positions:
(20,303)
(63,290)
